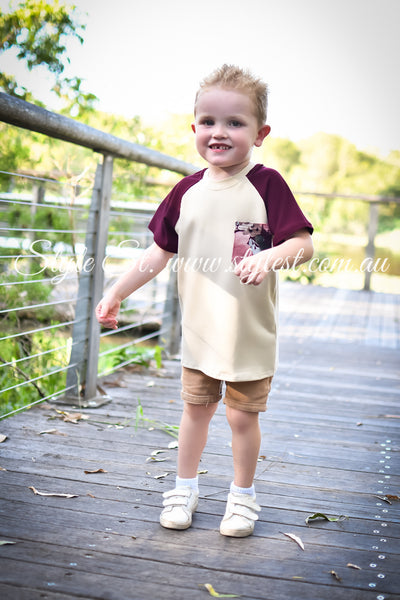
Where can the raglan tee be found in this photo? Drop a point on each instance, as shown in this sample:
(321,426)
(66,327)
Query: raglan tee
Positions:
(229,330)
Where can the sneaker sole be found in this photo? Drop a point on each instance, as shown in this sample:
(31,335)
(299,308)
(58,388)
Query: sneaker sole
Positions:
(235,533)
(171,525)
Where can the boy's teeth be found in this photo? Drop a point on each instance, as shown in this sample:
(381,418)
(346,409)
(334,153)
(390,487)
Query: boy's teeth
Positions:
(219,147)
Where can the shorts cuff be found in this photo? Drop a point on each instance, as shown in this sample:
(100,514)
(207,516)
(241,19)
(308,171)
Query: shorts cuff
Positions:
(246,407)
(193,399)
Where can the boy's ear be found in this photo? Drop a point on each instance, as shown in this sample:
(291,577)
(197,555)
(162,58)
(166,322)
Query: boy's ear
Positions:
(262,134)
(193,128)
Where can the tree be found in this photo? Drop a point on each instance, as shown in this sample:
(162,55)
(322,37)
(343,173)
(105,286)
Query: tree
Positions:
(37,31)
(281,154)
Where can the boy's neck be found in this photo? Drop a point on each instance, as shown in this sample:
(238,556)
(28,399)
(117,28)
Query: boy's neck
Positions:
(220,173)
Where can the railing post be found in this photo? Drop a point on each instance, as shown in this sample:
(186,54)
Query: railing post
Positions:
(38,192)
(103,216)
(82,372)
(370,248)
(171,322)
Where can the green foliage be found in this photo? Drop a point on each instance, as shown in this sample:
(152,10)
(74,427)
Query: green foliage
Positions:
(134,355)
(17,294)
(56,357)
(14,150)
(142,421)
(281,154)
(19,373)
(36,30)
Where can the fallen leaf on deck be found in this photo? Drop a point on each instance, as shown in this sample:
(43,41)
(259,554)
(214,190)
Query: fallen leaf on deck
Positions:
(322,516)
(391,497)
(150,384)
(52,431)
(203,472)
(335,575)
(2,438)
(353,566)
(215,594)
(155,459)
(95,471)
(37,493)
(71,417)
(384,498)
(161,476)
(295,538)
(172,445)
(155,452)
(4,542)
(90,495)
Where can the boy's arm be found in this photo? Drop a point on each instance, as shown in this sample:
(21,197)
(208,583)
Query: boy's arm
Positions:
(153,261)
(294,251)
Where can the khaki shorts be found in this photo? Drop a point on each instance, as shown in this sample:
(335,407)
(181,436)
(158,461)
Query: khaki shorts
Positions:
(250,396)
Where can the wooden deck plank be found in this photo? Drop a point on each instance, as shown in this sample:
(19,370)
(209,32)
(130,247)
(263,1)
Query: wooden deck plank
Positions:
(330,444)
(113,549)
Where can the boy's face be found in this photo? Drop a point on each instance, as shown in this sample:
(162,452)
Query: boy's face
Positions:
(226,130)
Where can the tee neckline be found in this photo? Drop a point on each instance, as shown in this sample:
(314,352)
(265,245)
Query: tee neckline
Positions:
(227,181)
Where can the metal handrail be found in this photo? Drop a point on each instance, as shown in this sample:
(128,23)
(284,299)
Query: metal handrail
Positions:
(35,118)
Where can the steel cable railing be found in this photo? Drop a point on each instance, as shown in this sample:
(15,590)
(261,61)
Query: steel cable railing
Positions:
(50,340)
(145,313)
(33,360)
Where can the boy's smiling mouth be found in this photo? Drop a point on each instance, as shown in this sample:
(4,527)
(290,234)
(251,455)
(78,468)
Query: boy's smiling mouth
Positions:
(219,147)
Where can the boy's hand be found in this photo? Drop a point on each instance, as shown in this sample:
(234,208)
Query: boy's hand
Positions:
(252,269)
(107,310)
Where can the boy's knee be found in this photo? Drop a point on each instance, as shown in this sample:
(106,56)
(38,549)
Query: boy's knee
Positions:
(241,421)
(199,411)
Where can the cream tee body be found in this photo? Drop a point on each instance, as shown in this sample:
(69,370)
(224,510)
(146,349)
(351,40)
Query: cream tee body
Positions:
(229,330)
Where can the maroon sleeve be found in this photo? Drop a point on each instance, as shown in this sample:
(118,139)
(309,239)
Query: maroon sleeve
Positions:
(284,214)
(167,214)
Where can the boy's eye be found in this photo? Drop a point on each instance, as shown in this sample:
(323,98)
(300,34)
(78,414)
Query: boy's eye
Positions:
(235,123)
(207,122)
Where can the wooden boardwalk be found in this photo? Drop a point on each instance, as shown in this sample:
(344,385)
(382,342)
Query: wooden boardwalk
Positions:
(330,445)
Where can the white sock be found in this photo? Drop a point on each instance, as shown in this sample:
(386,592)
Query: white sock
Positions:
(240,490)
(192,483)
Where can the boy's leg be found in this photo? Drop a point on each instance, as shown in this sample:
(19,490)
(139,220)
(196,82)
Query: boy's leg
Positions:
(244,401)
(246,441)
(201,395)
(193,432)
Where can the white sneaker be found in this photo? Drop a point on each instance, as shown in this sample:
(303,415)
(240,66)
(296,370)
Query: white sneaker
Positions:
(180,505)
(240,515)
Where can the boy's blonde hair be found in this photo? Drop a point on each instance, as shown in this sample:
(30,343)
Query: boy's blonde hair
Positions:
(231,77)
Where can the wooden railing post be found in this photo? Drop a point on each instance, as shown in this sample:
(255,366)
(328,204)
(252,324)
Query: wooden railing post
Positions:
(103,216)
(82,371)
(171,322)
(370,248)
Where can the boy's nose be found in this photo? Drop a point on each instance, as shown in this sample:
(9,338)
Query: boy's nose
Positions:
(219,131)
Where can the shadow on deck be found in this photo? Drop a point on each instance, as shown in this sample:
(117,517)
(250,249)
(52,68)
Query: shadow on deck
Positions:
(330,445)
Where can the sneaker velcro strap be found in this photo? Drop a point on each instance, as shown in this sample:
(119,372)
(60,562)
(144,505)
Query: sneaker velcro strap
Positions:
(176,501)
(184,492)
(244,511)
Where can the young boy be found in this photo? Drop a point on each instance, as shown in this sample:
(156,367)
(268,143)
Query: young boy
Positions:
(229,307)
